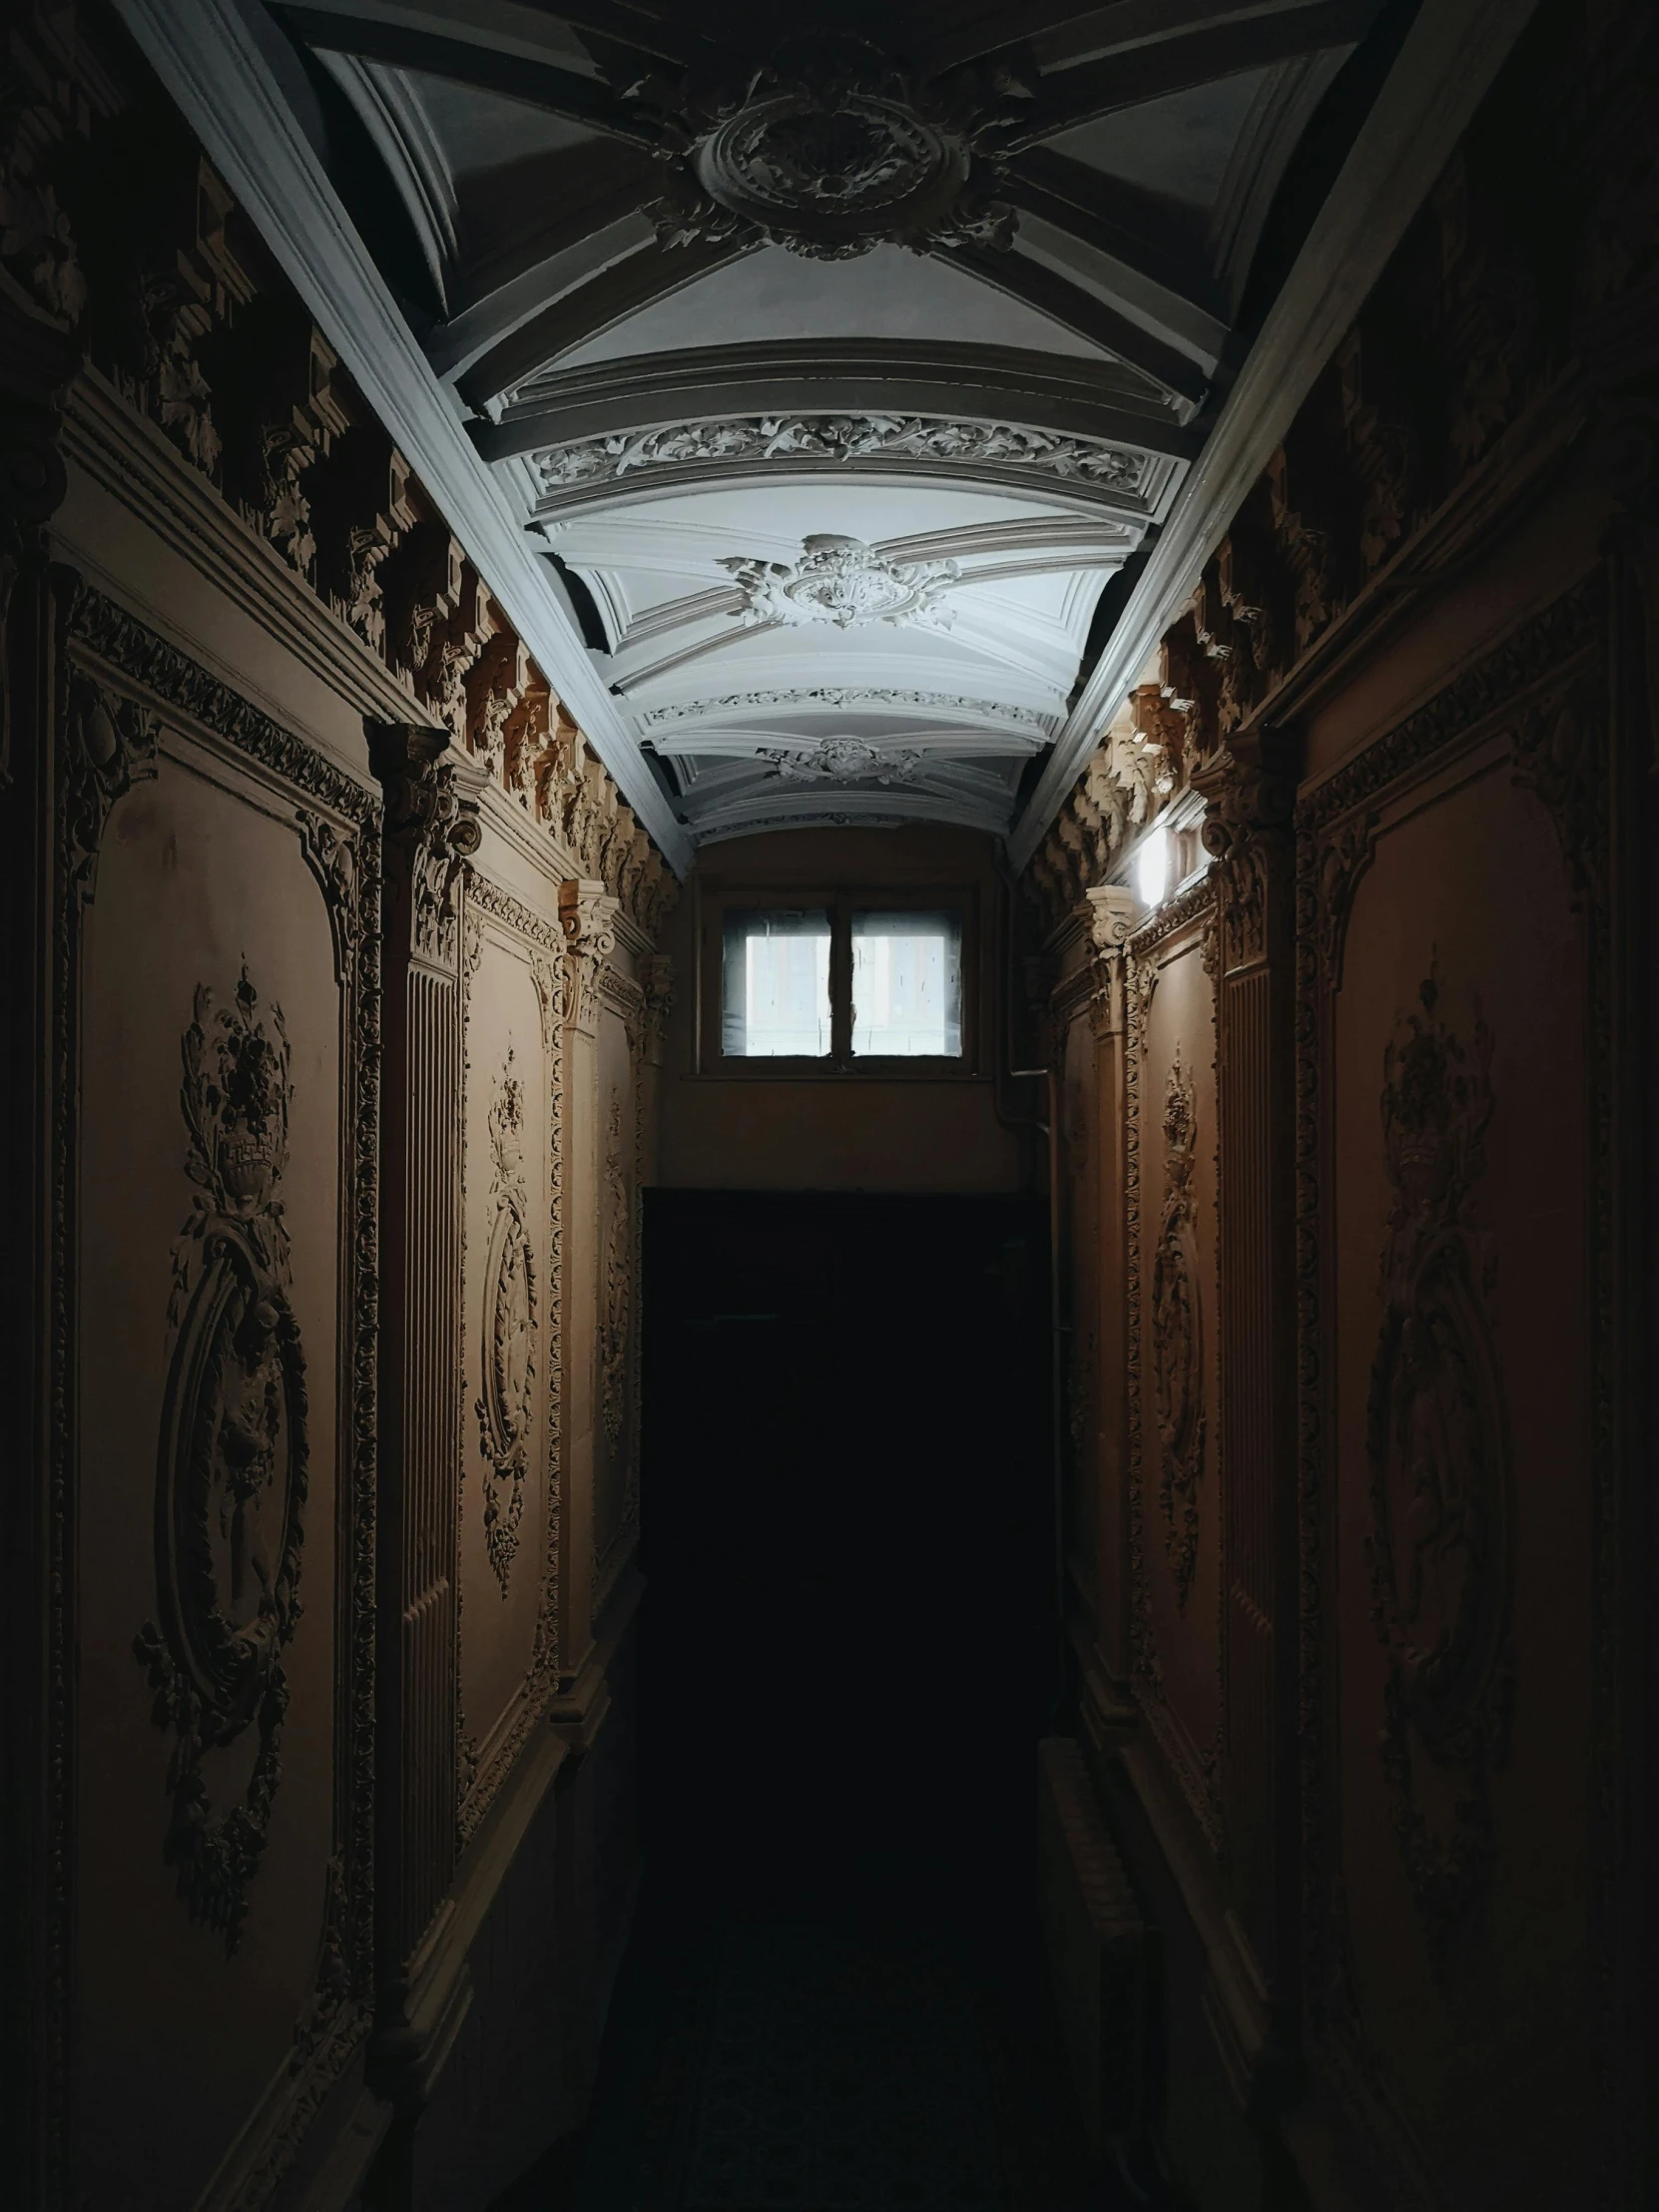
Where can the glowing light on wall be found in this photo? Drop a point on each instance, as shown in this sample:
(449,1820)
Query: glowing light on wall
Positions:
(1152,865)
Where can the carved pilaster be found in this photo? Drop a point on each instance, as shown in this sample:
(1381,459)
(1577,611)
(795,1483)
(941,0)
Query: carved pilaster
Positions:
(1250,793)
(430,832)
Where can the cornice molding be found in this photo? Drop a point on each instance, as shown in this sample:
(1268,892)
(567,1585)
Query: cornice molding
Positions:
(212,64)
(1449,60)
(1053,392)
(126,454)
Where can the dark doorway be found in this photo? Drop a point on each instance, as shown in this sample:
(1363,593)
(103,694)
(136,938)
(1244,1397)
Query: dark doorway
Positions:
(848,1639)
(832,1997)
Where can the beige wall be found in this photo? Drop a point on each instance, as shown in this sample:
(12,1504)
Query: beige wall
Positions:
(743,1133)
(329,1041)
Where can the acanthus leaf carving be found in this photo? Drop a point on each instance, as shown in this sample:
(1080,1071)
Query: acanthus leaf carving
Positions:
(587,915)
(111,745)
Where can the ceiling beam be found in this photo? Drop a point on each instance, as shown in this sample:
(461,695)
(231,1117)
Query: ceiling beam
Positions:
(635,281)
(537,84)
(213,65)
(1057,32)
(1447,60)
(1091,318)
(982,384)
(1155,236)
(1068,97)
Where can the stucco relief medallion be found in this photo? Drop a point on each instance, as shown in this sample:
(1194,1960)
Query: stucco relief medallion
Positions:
(231,1468)
(1437,1545)
(1178,1334)
(506,1406)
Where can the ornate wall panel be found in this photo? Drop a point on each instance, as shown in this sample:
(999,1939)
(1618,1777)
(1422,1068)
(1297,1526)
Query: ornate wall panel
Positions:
(511,1375)
(1452,1093)
(217,1010)
(1175,1477)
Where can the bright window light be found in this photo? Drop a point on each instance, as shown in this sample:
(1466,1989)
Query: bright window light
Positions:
(775,1000)
(1152,867)
(906,986)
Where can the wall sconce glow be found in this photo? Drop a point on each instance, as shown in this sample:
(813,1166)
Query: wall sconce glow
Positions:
(1152,865)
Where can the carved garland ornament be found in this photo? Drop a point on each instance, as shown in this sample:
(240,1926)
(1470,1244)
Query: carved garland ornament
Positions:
(1437,1548)
(841,438)
(860,698)
(1177,1333)
(506,1406)
(231,1471)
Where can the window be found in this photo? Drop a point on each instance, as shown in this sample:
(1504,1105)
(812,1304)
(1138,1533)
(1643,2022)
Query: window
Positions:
(775,985)
(850,981)
(906,986)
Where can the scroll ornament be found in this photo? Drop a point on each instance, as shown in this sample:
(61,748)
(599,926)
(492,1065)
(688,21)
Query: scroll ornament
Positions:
(1437,1547)
(233,1464)
(505,1407)
(1177,1335)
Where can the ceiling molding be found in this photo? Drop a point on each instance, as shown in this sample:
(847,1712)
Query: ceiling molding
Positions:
(1046,392)
(208,60)
(1448,60)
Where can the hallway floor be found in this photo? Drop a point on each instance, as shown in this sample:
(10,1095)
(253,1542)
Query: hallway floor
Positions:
(759,2063)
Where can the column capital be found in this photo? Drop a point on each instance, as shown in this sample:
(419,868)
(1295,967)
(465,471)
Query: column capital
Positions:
(587,915)
(1112,910)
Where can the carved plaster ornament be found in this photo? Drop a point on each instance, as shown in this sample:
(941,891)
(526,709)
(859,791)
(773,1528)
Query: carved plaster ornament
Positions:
(231,1468)
(847,437)
(842,580)
(846,761)
(830,149)
(1177,1333)
(506,1407)
(850,697)
(1437,1547)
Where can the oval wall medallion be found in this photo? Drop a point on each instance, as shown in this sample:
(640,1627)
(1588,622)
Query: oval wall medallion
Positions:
(506,1407)
(1178,1334)
(231,1468)
(1437,1544)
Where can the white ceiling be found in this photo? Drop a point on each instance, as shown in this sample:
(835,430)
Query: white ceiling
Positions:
(1005,425)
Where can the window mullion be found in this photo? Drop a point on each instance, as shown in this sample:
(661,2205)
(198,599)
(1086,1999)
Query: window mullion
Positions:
(841,983)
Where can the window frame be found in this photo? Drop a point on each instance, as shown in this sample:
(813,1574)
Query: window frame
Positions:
(840,903)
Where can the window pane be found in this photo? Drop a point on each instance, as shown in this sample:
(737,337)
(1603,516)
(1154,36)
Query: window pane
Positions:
(774,997)
(907,985)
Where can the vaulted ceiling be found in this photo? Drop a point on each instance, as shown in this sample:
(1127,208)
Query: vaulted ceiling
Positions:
(834,375)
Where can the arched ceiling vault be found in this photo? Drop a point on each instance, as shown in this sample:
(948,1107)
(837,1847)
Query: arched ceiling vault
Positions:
(831,381)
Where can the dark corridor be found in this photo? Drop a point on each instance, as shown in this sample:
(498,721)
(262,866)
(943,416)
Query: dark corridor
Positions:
(832,1997)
